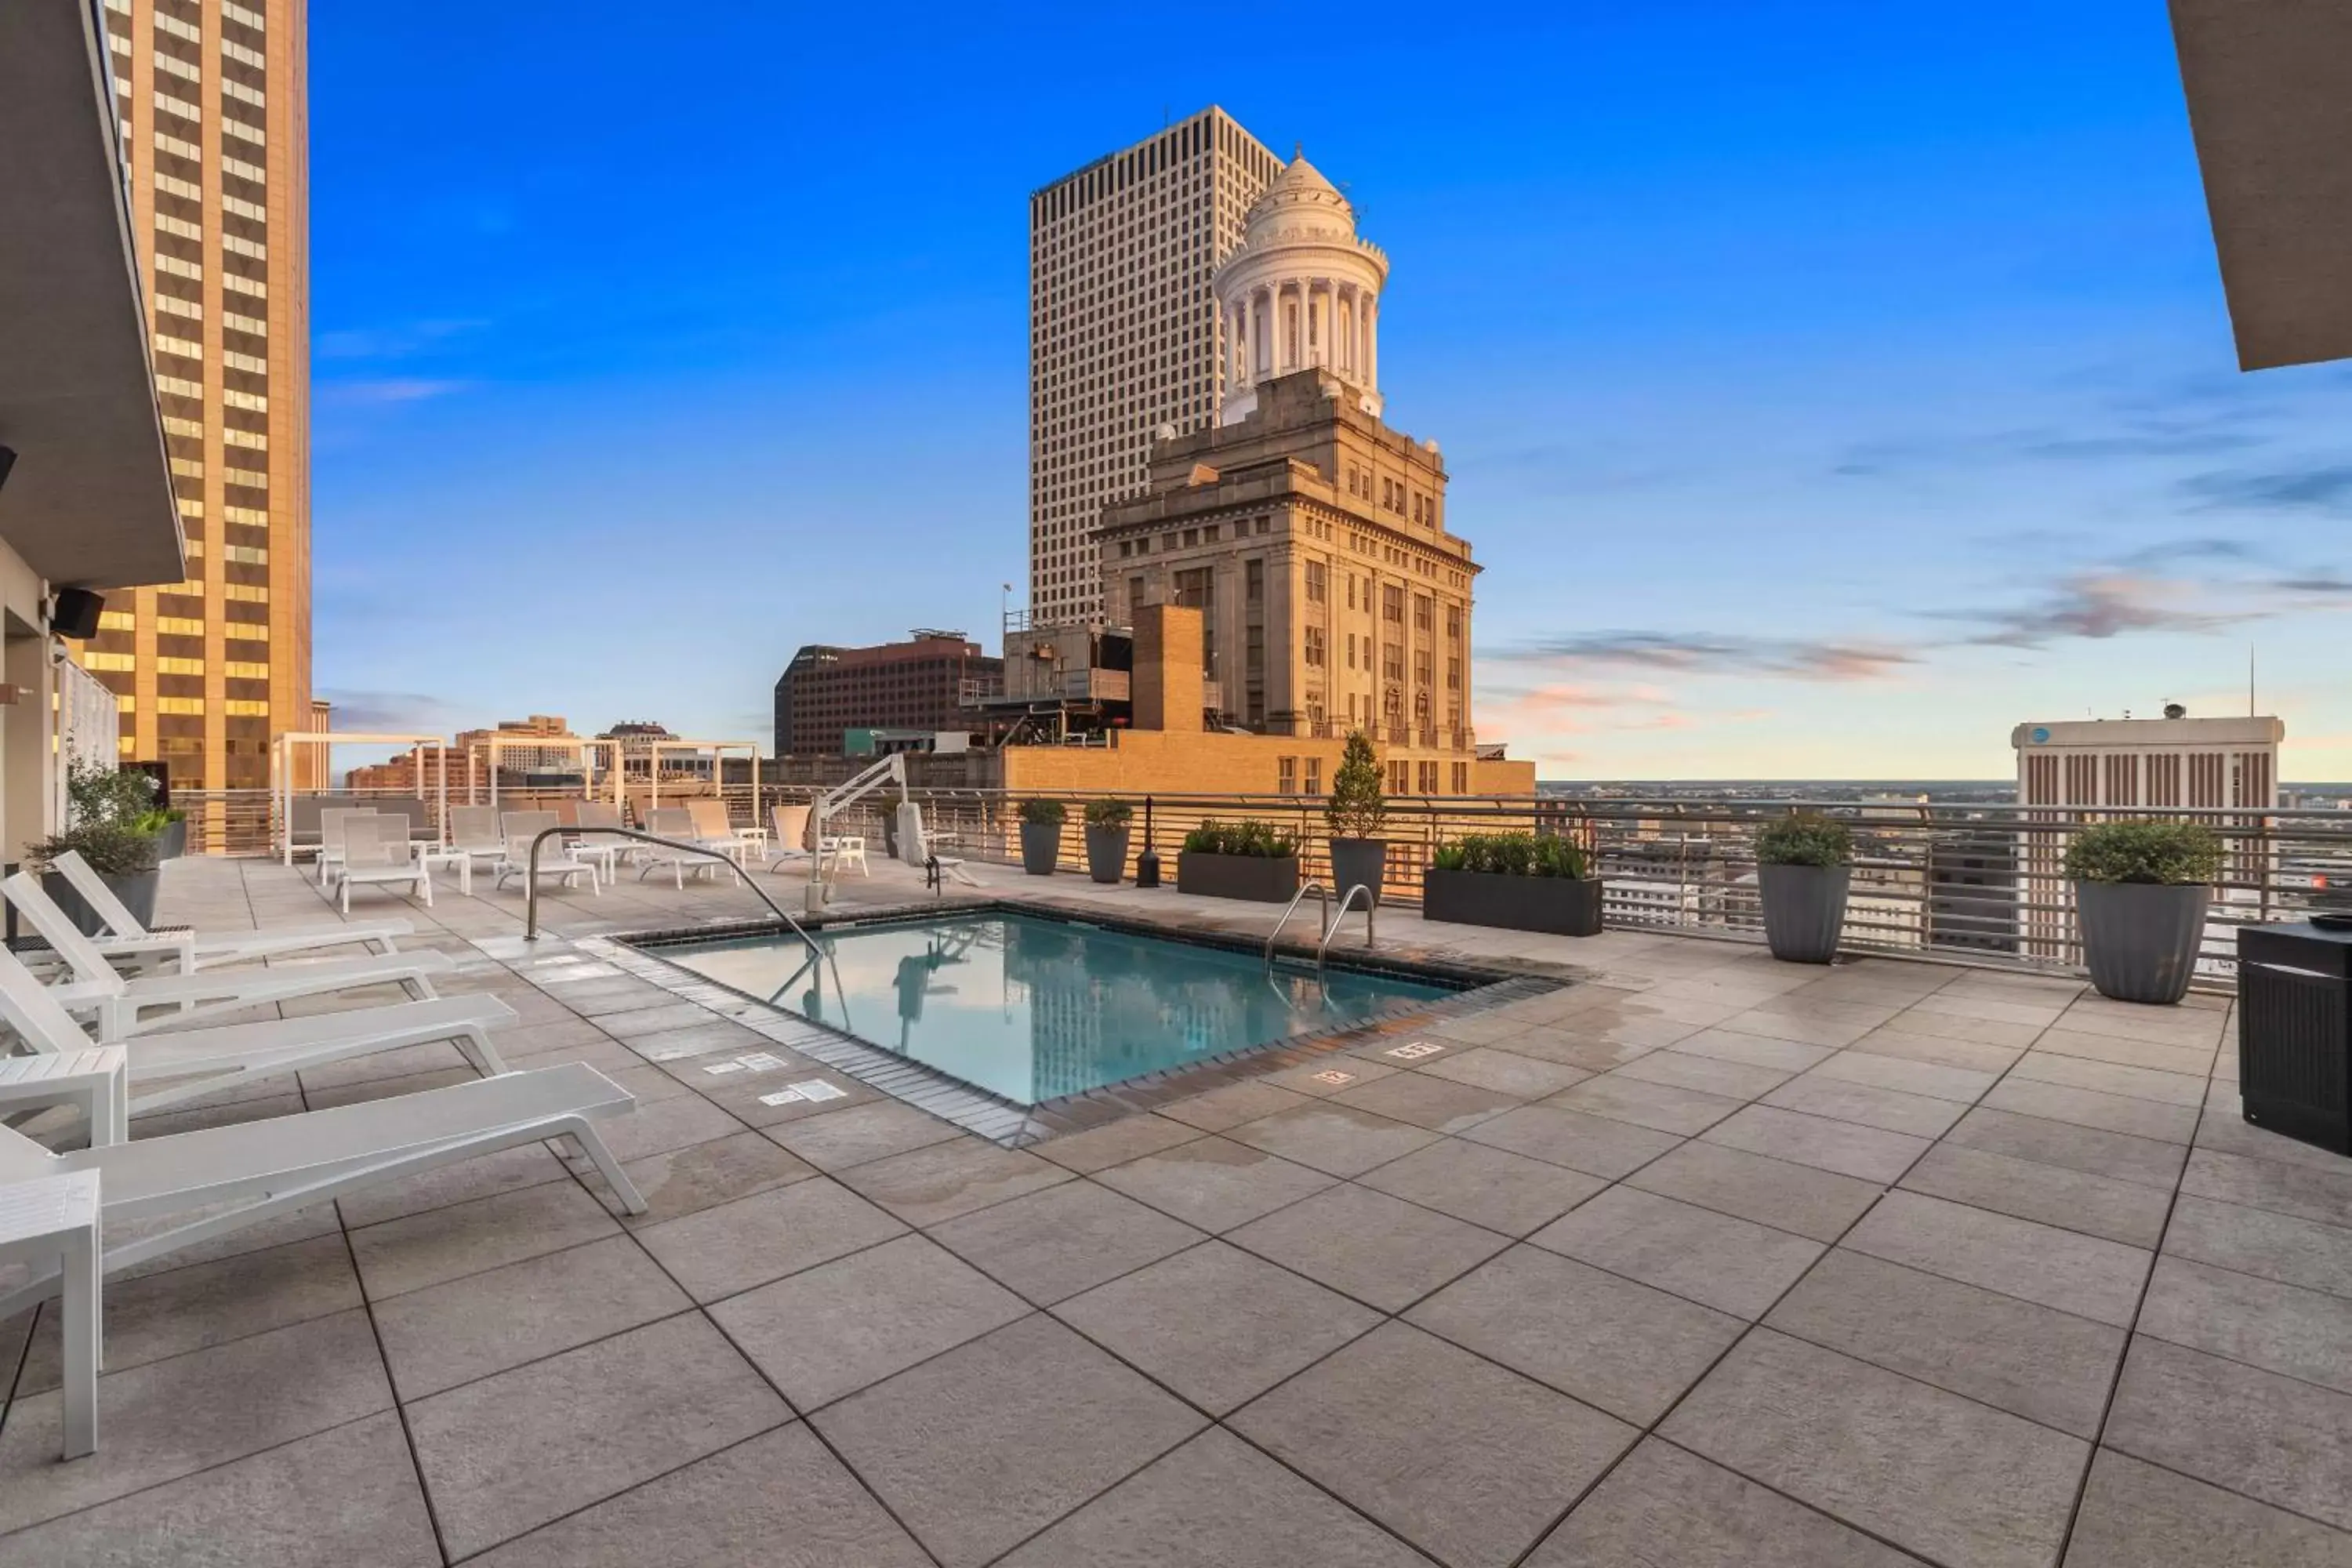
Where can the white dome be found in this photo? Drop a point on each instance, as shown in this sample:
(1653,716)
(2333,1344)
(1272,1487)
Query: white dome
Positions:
(1302,291)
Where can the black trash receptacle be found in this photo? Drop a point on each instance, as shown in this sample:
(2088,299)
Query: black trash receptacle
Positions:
(2294,1030)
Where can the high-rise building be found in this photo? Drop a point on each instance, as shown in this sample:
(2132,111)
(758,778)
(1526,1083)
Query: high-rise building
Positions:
(212,101)
(1124,333)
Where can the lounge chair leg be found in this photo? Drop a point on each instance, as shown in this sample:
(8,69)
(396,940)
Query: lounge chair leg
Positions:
(592,1145)
(474,1045)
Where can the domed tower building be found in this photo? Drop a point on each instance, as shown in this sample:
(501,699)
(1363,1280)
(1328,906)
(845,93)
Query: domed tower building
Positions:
(1309,536)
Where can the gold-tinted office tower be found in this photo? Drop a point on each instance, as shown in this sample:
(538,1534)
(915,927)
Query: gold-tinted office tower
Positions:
(1124,335)
(216,129)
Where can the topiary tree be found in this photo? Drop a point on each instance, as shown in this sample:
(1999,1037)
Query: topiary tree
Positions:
(1357,808)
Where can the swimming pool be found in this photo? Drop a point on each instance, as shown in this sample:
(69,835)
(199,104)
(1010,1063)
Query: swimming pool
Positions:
(1032,1008)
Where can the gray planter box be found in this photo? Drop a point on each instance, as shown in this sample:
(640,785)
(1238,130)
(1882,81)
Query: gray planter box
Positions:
(2140,938)
(173,842)
(1041,848)
(1358,862)
(137,892)
(1107,854)
(1252,877)
(1559,906)
(1804,909)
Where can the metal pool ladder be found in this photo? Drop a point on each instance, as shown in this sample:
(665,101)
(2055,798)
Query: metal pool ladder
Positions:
(1329,923)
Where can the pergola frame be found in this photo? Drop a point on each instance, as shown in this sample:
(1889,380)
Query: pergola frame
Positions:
(717,750)
(282,770)
(584,747)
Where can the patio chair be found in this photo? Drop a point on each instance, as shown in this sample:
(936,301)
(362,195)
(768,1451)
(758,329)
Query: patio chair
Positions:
(474,833)
(119,1002)
(788,836)
(377,854)
(609,852)
(330,838)
(181,1065)
(197,949)
(714,829)
(917,845)
(270,1168)
(555,858)
(676,823)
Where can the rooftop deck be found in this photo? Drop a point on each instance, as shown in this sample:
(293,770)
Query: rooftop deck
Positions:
(1702,1259)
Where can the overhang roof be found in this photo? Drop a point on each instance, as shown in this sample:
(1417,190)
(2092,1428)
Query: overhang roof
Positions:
(89,503)
(2270,101)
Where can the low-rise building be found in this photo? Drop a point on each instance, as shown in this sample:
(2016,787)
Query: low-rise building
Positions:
(919,684)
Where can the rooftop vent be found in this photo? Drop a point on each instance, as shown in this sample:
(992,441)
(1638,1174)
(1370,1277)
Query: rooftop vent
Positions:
(2175,711)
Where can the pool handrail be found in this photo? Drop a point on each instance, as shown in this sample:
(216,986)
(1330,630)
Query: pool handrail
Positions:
(1332,930)
(1290,909)
(530,881)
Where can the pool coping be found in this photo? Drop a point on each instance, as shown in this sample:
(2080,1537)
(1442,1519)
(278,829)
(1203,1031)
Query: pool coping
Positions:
(1014,1125)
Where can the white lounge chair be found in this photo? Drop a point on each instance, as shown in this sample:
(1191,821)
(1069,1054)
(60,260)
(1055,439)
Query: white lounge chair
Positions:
(595,843)
(377,854)
(676,823)
(915,845)
(124,932)
(788,836)
(474,833)
(169,1068)
(714,829)
(519,828)
(95,987)
(330,838)
(268,1168)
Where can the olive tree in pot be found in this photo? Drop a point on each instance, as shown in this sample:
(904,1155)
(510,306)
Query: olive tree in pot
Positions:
(1041,836)
(2141,892)
(110,822)
(1356,813)
(1803,863)
(1107,840)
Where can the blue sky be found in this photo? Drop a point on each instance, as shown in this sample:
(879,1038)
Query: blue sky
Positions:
(1825,387)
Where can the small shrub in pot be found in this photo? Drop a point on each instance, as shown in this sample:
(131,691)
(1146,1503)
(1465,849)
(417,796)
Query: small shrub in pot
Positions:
(1107,834)
(111,821)
(1803,866)
(1041,836)
(1238,860)
(2142,891)
(1356,814)
(1521,881)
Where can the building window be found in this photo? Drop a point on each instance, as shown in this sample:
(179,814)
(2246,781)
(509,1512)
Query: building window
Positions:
(1253,581)
(1424,613)
(1286,775)
(1453,673)
(1454,622)
(1314,776)
(1314,645)
(1351,650)
(1460,778)
(1400,778)
(1393,662)
(1393,605)
(1318,582)
(1428,780)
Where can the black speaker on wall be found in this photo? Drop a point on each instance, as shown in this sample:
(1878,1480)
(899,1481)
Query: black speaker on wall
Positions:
(77,613)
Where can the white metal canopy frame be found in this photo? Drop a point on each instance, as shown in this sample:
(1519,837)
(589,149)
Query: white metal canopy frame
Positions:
(583,747)
(282,753)
(717,750)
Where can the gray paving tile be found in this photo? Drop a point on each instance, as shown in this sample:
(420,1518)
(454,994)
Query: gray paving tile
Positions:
(1907,1076)
(1660,1107)
(979,1448)
(1708,1075)
(2035,1362)
(1890,1111)
(1819,1204)
(443,1244)
(1786,1056)
(2258,1241)
(2194,1061)
(927,1185)
(1894,1042)
(1056,1243)
(1500,1190)
(2136,1516)
(2073,1200)
(1495,1068)
(1951,1479)
(2305,1192)
(510,1453)
(171,1418)
(1336,1139)
(2281,1328)
(1379,1249)
(1216,1324)
(2108,1078)
(2224,1126)
(686,1181)
(169,1314)
(2150,1162)
(1598,1050)
(451,1333)
(506,1171)
(1735,1266)
(1594,1144)
(1214,1184)
(1664,1508)
(1846,1147)
(840,1139)
(733,1246)
(1216,1502)
(1608,1341)
(1322,1077)
(1440,1104)
(1130,1138)
(2287,1442)
(671,1124)
(1469,1462)
(345,1496)
(832,1330)
(1229,1107)
(2089,1107)
(2086,1275)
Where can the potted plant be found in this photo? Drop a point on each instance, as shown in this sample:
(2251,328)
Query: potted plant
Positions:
(1356,813)
(2141,892)
(1804,863)
(109,815)
(1243,861)
(1041,836)
(169,829)
(1520,881)
(1107,840)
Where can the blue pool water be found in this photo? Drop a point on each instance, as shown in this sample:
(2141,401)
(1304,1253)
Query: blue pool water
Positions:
(1032,1008)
